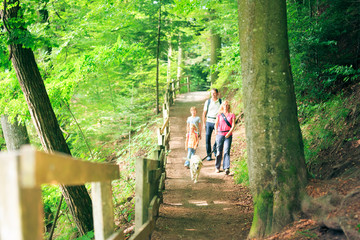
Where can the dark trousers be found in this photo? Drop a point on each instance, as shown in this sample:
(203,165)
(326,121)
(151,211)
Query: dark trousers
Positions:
(224,145)
(209,129)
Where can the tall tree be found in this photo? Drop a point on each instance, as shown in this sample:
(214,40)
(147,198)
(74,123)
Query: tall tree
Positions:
(274,143)
(158,59)
(215,48)
(179,60)
(15,134)
(47,127)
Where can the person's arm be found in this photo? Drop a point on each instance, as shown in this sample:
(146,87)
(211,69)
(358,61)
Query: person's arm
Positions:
(204,114)
(216,124)
(187,127)
(200,129)
(232,127)
(197,142)
(186,141)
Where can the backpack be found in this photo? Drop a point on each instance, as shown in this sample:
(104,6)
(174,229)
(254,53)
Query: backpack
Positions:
(208,104)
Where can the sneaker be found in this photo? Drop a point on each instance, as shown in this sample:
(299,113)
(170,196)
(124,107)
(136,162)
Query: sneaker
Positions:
(227,171)
(217,170)
(208,158)
(187,164)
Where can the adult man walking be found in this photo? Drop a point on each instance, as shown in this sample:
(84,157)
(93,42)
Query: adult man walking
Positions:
(211,109)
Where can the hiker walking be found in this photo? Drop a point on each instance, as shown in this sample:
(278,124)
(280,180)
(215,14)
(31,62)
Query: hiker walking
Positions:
(191,143)
(224,125)
(211,109)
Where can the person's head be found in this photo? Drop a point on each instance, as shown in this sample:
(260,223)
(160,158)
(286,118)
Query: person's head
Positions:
(225,107)
(214,93)
(193,111)
(192,127)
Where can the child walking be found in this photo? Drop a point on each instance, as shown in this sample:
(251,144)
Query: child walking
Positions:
(193,119)
(191,143)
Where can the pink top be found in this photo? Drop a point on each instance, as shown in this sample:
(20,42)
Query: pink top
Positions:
(223,128)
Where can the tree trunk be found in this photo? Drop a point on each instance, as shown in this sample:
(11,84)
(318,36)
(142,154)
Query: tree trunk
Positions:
(180,60)
(215,42)
(169,62)
(32,85)
(274,143)
(158,60)
(215,50)
(43,116)
(15,134)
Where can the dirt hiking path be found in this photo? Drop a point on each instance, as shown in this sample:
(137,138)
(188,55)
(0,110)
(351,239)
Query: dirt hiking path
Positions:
(213,208)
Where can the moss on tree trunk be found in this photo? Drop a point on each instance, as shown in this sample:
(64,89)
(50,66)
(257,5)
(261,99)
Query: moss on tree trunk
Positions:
(275,149)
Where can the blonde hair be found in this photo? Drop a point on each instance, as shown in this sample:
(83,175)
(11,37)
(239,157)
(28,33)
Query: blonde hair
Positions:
(193,108)
(223,105)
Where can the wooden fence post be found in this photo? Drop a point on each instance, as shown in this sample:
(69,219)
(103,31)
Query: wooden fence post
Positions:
(21,212)
(173,89)
(161,137)
(169,92)
(103,214)
(142,193)
(165,112)
(188,83)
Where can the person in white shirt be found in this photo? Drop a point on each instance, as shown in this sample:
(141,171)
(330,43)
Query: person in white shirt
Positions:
(211,109)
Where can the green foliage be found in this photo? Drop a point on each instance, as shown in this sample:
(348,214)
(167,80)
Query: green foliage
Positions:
(322,41)
(240,168)
(321,125)
(89,236)
(230,68)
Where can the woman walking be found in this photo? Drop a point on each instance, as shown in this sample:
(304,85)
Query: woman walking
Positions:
(224,125)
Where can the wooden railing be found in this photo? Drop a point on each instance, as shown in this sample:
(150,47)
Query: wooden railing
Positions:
(23,172)
(151,174)
(173,87)
(150,182)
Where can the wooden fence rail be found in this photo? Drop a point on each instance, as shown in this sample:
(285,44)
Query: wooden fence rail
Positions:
(151,174)
(23,172)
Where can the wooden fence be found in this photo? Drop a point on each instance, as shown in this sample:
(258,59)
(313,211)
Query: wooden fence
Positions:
(23,172)
(151,175)
(173,87)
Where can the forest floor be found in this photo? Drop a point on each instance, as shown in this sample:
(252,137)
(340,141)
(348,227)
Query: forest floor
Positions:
(217,208)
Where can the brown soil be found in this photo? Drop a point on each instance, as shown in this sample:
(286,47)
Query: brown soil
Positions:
(212,208)
(217,208)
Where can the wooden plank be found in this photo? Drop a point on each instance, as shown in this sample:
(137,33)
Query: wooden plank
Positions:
(154,208)
(20,208)
(10,212)
(58,168)
(152,164)
(157,174)
(103,214)
(116,236)
(165,124)
(162,182)
(167,141)
(160,137)
(144,231)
